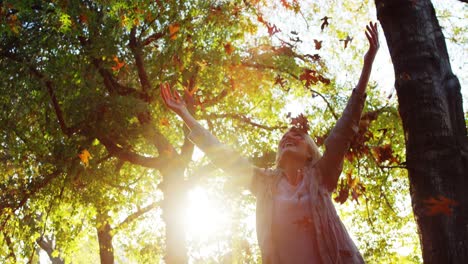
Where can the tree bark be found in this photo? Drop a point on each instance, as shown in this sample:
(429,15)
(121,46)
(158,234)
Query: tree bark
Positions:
(431,109)
(175,192)
(106,249)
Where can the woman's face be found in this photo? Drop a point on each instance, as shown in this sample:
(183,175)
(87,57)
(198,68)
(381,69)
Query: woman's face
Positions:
(293,146)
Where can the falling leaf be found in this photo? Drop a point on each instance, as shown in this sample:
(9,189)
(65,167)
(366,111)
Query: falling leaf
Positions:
(118,64)
(260,19)
(83,18)
(310,76)
(325,22)
(439,205)
(173,30)
(85,157)
(297,39)
(228,48)
(301,123)
(347,40)
(280,80)
(272,29)
(314,57)
(318,44)
(384,153)
(164,122)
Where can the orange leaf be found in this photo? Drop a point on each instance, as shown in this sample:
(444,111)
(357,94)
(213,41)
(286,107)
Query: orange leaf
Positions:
(164,122)
(173,29)
(441,205)
(85,157)
(228,48)
(83,18)
(118,64)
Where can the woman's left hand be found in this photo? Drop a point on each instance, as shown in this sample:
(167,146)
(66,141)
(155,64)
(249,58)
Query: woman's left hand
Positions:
(372,35)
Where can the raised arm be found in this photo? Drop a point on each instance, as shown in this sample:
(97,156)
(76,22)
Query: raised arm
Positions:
(337,143)
(221,155)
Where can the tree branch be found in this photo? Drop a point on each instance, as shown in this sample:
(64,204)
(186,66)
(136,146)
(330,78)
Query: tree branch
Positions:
(261,66)
(136,215)
(50,90)
(243,119)
(151,38)
(136,51)
(129,156)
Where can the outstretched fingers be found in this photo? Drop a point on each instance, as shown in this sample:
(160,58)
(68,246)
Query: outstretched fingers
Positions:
(372,34)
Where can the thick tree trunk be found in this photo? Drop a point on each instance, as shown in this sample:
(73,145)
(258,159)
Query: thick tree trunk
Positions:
(173,206)
(431,110)
(106,249)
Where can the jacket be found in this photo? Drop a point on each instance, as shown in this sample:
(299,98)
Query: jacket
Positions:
(333,241)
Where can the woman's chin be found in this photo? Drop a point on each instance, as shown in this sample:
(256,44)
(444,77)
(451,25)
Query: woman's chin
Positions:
(290,155)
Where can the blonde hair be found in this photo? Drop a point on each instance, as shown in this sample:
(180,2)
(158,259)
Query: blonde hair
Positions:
(311,147)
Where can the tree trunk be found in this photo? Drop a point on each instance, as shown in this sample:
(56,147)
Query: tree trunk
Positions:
(106,249)
(430,106)
(173,206)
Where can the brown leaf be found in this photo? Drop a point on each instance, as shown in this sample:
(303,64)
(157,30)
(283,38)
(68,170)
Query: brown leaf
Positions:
(228,48)
(325,22)
(301,123)
(318,44)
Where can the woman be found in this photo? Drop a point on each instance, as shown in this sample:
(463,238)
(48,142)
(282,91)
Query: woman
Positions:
(296,218)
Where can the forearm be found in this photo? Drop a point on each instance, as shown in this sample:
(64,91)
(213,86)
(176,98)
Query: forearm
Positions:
(365,75)
(221,156)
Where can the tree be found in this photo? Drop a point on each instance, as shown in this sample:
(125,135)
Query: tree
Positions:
(88,74)
(430,106)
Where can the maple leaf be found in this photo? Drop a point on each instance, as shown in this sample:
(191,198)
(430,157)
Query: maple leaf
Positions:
(439,205)
(347,40)
(280,80)
(85,157)
(301,123)
(384,153)
(272,29)
(228,48)
(310,76)
(325,22)
(173,29)
(318,44)
(118,64)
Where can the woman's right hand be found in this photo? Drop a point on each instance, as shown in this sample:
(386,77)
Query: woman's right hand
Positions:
(173,100)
